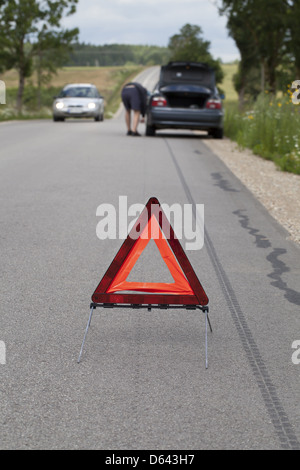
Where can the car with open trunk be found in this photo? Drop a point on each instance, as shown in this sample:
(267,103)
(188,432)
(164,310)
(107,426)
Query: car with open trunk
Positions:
(186,97)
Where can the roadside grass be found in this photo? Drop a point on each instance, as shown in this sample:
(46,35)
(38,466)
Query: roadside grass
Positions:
(269,127)
(108,80)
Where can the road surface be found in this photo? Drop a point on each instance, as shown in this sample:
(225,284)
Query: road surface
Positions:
(142,382)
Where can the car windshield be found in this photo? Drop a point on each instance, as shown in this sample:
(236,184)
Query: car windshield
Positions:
(79,92)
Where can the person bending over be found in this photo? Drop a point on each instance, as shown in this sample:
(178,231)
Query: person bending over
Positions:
(134,97)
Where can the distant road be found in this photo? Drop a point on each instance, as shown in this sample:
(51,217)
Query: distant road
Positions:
(142,382)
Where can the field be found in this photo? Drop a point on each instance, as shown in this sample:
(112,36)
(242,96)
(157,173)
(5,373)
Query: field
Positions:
(104,78)
(227,85)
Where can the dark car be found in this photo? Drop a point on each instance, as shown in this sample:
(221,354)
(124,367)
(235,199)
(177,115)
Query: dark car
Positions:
(186,97)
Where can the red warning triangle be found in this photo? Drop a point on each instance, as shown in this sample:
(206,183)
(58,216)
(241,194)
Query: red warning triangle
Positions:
(186,289)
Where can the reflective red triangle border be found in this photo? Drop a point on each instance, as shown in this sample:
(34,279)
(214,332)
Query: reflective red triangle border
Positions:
(198,297)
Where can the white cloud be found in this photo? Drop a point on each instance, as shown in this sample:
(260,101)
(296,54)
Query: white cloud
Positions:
(150,22)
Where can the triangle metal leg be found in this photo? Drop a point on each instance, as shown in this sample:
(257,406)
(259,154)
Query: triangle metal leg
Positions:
(206,355)
(149,307)
(209,323)
(86,330)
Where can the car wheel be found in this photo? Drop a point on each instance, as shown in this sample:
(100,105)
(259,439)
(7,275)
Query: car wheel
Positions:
(150,130)
(100,117)
(217,133)
(58,119)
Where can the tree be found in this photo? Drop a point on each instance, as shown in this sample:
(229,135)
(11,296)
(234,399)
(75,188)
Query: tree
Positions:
(237,17)
(265,26)
(26,28)
(51,51)
(189,46)
(293,46)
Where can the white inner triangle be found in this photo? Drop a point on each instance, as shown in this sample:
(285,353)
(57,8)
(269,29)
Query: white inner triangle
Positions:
(150,267)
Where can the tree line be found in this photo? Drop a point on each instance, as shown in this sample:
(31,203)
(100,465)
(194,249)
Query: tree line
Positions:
(187,45)
(116,54)
(267,36)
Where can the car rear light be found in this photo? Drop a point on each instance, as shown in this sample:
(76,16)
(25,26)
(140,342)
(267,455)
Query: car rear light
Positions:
(214,104)
(158,101)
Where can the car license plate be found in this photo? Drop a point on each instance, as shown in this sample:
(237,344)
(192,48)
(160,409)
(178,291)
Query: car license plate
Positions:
(75,110)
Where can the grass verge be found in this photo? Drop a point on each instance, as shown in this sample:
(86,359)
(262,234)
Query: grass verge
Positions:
(269,127)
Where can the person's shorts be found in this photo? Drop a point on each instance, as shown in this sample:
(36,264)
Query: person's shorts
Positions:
(131,98)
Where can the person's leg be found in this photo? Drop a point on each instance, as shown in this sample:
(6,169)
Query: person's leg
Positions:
(126,98)
(136,119)
(128,119)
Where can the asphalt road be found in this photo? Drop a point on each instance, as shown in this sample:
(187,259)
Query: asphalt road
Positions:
(142,382)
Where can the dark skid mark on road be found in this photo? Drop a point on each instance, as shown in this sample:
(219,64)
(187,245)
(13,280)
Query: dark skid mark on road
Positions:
(281,423)
(261,241)
(222,183)
(279,267)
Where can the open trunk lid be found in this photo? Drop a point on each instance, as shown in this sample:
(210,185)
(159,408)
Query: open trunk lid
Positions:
(187,84)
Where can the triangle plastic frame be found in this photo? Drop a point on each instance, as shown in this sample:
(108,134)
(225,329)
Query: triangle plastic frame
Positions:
(197,295)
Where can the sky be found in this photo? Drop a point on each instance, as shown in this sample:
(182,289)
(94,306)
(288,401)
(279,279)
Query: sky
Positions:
(151,22)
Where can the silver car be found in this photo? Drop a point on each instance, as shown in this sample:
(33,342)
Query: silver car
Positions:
(78,100)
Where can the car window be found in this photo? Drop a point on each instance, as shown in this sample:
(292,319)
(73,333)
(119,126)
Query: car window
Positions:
(196,75)
(79,92)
